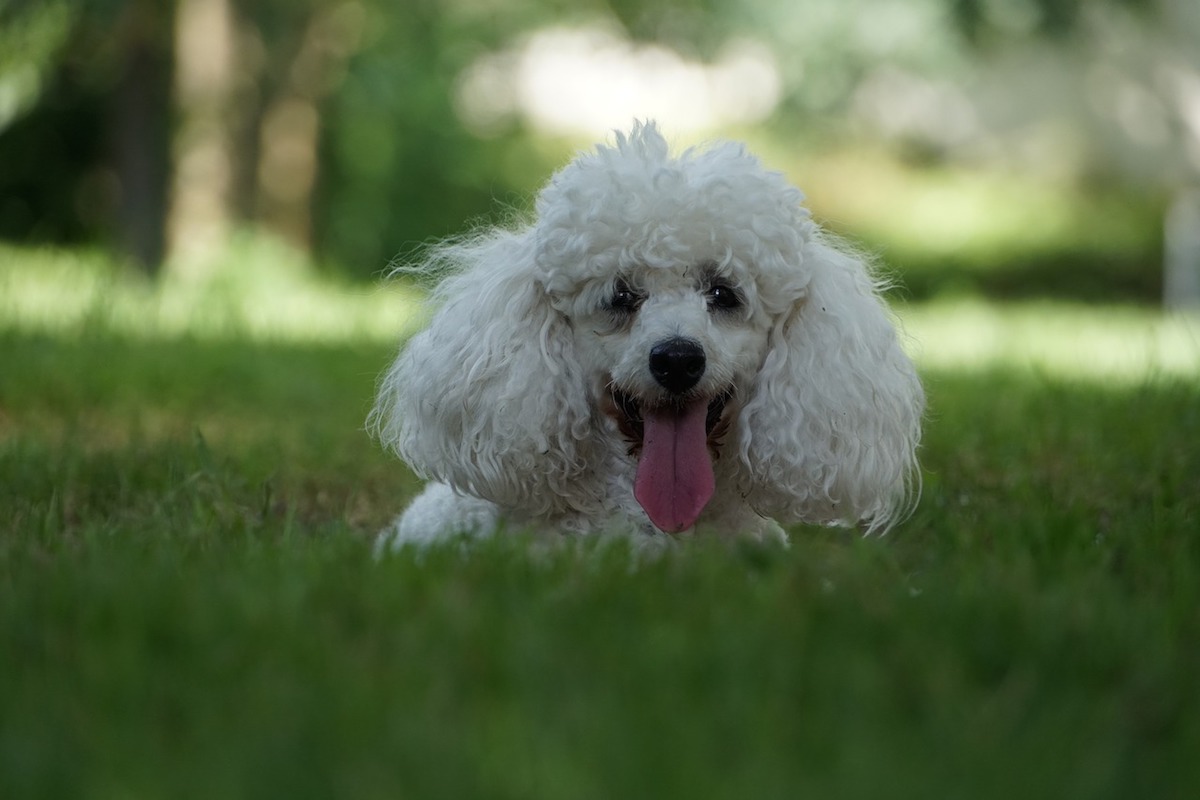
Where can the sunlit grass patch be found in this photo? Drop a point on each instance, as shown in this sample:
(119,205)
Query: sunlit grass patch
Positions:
(1068,340)
(264,293)
(258,291)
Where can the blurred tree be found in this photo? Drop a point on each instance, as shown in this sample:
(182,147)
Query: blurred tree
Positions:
(86,139)
(337,124)
(203,146)
(398,165)
(32,36)
(39,119)
(1122,79)
(329,122)
(252,80)
(138,123)
(313,42)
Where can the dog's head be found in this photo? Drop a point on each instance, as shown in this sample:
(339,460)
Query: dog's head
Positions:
(687,306)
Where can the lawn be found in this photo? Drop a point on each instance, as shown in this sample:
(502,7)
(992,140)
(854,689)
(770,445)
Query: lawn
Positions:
(189,606)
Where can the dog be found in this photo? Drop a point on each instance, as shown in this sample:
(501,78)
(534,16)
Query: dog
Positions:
(672,348)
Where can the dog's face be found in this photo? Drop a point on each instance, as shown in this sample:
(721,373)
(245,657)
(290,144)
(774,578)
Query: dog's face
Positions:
(670,338)
(669,352)
(671,273)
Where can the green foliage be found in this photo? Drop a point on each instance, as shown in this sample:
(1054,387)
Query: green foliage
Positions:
(31,35)
(84,74)
(984,22)
(399,167)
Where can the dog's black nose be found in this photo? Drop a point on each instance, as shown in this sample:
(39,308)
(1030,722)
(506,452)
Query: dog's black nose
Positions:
(677,364)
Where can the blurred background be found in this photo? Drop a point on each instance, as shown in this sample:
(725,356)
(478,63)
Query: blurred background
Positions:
(999,148)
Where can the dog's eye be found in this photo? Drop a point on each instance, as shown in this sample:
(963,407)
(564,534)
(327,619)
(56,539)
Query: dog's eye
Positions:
(624,299)
(723,297)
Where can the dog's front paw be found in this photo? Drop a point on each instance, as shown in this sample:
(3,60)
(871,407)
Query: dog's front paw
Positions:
(437,514)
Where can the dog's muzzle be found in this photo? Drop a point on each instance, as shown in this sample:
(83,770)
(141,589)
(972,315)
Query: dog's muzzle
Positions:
(675,436)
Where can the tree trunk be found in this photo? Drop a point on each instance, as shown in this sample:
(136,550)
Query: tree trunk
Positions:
(1181,264)
(290,131)
(140,132)
(203,147)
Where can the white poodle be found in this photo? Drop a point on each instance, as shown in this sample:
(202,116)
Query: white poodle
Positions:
(672,347)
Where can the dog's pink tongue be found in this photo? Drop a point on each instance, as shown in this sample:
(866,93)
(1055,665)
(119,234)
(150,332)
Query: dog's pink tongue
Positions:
(674,479)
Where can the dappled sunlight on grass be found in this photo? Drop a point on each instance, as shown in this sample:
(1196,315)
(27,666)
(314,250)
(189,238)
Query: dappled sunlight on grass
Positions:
(1067,340)
(260,297)
(259,293)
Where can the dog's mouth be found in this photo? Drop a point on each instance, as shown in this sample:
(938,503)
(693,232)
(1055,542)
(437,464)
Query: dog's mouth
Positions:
(675,444)
(627,410)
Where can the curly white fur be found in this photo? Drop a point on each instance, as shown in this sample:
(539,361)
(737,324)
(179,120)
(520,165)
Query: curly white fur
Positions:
(524,400)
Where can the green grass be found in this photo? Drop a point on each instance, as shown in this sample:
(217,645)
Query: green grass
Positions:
(189,606)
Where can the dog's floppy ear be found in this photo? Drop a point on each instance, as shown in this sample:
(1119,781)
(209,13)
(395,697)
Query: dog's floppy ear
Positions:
(830,430)
(489,398)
